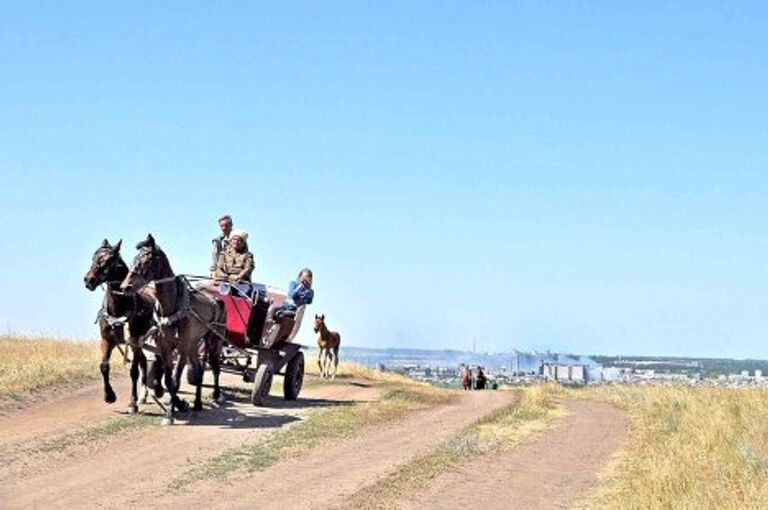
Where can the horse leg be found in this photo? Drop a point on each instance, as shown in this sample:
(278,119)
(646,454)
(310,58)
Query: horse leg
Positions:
(106,352)
(335,362)
(168,376)
(194,372)
(324,371)
(133,407)
(197,369)
(320,361)
(179,369)
(175,402)
(214,359)
(155,377)
(138,353)
(328,363)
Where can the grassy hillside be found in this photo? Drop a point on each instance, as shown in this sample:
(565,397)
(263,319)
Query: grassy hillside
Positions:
(28,364)
(690,448)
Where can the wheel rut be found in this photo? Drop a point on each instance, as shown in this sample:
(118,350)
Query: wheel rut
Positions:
(129,469)
(552,471)
(324,477)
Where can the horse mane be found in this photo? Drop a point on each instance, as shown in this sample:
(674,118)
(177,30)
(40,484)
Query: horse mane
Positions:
(149,245)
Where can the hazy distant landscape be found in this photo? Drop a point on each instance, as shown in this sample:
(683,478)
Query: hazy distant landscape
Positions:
(530,361)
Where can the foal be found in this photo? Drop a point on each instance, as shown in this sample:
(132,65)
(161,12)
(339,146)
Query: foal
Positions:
(328,344)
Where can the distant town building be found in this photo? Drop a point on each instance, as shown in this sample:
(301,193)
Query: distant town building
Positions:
(564,372)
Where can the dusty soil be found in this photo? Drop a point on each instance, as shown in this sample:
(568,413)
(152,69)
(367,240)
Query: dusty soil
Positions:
(57,412)
(324,478)
(130,468)
(552,471)
(133,467)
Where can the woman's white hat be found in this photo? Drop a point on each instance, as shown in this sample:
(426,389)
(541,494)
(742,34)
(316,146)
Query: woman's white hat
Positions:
(239,232)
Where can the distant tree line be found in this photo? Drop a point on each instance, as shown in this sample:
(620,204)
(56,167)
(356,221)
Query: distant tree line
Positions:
(709,367)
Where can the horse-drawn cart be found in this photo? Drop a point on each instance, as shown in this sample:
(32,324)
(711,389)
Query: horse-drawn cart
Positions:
(259,333)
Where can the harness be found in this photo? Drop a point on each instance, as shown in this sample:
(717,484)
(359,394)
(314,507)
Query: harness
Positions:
(117,323)
(111,320)
(181,311)
(103,313)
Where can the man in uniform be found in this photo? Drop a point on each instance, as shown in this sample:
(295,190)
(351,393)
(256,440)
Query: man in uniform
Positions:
(221,243)
(235,264)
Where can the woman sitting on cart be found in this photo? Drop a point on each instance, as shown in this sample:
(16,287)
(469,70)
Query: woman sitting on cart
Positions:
(235,265)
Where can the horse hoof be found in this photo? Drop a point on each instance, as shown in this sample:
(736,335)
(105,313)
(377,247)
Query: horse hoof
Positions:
(133,409)
(182,406)
(166,422)
(110,398)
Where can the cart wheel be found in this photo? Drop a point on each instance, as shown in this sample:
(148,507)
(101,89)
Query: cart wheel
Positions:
(294,377)
(262,384)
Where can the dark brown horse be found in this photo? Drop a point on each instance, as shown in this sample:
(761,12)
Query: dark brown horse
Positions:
(184,317)
(107,268)
(328,343)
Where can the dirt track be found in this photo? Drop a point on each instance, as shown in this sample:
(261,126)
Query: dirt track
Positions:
(133,466)
(322,479)
(551,471)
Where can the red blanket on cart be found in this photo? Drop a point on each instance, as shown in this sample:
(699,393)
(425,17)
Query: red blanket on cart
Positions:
(238,312)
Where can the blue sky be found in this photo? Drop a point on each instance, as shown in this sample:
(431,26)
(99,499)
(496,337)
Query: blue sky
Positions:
(586,178)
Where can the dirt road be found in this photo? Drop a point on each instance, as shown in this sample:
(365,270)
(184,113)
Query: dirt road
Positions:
(77,452)
(324,478)
(552,471)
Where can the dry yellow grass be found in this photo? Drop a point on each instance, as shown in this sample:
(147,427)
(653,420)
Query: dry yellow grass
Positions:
(354,371)
(690,448)
(28,364)
(395,383)
(534,411)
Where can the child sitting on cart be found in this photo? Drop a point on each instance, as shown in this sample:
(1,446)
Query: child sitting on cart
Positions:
(300,291)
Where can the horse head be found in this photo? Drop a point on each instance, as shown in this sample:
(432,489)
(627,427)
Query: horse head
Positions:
(149,264)
(319,322)
(106,265)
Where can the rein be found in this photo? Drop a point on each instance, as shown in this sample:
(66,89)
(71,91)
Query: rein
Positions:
(112,321)
(181,311)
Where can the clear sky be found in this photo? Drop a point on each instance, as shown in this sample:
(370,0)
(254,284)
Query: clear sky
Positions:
(578,176)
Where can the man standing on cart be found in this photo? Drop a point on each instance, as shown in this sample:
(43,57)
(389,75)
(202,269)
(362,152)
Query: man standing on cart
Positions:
(220,244)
